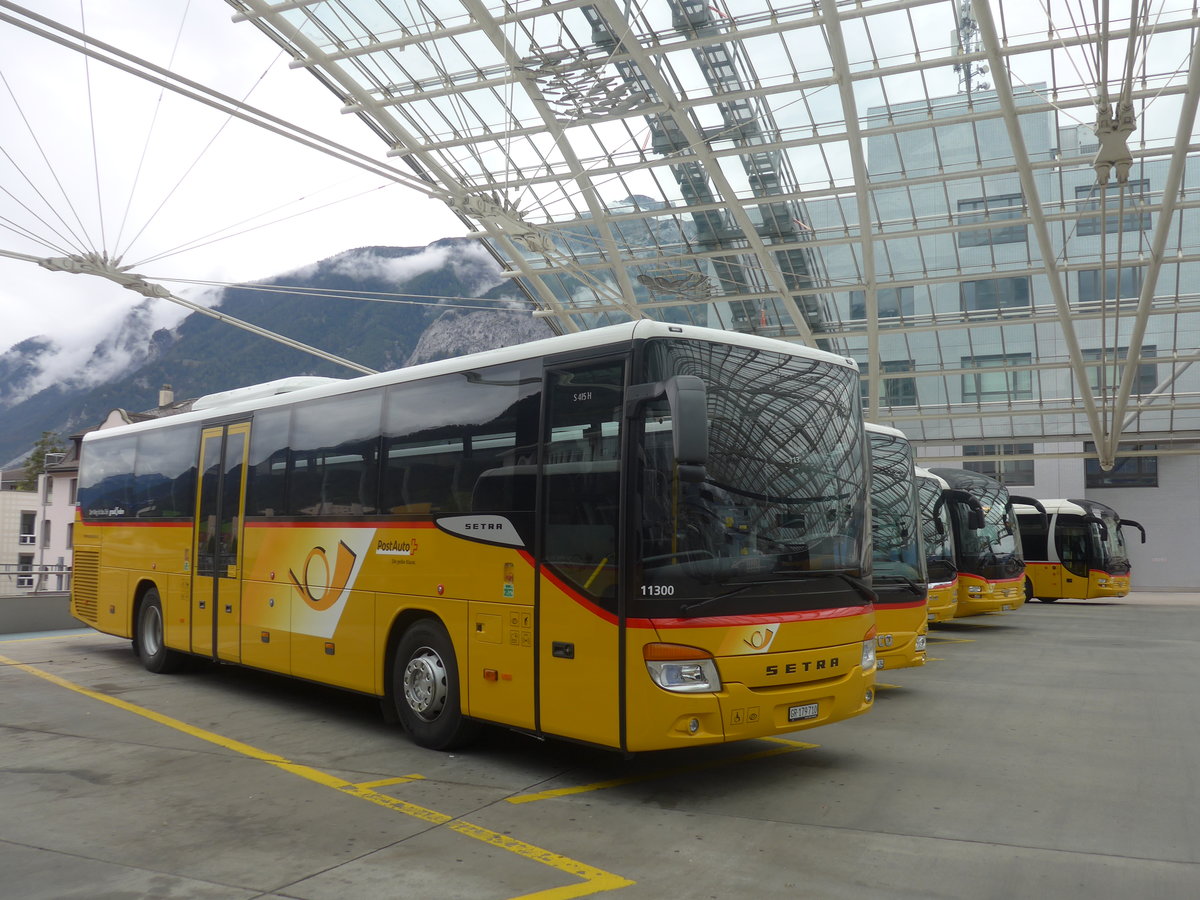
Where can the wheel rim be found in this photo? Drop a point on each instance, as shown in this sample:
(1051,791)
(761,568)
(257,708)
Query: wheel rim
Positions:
(425,689)
(152,630)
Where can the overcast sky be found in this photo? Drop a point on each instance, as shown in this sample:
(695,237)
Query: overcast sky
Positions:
(101,160)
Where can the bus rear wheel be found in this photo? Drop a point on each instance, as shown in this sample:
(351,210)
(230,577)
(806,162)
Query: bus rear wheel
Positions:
(425,688)
(149,640)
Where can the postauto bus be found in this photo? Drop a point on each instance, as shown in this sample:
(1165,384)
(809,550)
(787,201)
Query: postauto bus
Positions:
(1076,550)
(937,532)
(987,544)
(639,537)
(897,555)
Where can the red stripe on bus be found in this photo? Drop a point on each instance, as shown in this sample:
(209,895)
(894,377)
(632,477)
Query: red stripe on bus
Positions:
(913,604)
(139,523)
(273,523)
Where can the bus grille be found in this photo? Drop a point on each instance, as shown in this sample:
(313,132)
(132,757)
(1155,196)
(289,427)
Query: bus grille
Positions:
(85,585)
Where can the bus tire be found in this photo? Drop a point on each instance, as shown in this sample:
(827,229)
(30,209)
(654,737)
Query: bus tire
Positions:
(1047,599)
(425,688)
(149,641)
(1028,590)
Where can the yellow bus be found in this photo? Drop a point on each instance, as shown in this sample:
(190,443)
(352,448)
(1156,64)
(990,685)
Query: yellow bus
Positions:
(987,544)
(937,532)
(643,536)
(1076,550)
(897,553)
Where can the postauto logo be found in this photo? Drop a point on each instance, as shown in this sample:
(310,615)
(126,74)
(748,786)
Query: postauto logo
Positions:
(321,583)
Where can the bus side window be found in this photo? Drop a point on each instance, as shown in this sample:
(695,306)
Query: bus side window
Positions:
(266,479)
(449,441)
(165,473)
(335,456)
(106,479)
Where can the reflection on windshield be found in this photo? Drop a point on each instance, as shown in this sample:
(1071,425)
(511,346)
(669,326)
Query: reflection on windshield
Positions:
(895,530)
(939,541)
(998,534)
(783,496)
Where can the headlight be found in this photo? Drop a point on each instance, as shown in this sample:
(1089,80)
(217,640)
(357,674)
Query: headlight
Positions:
(868,654)
(685,670)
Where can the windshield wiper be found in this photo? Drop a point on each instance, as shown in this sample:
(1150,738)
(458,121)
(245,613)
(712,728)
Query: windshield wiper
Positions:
(700,604)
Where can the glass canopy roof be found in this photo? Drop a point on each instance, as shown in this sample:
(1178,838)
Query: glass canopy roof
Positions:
(986,205)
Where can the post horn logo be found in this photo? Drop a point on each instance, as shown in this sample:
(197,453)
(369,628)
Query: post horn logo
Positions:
(322,584)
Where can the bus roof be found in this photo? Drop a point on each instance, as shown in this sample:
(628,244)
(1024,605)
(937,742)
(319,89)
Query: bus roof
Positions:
(965,479)
(624,333)
(885,429)
(922,472)
(1070,507)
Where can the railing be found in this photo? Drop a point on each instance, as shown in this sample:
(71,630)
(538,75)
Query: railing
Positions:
(23,578)
(27,539)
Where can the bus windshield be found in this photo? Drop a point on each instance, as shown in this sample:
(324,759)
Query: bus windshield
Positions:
(1114,546)
(778,519)
(993,550)
(895,521)
(937,531)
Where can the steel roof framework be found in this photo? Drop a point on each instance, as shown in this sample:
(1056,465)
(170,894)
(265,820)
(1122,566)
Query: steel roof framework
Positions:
(761,166)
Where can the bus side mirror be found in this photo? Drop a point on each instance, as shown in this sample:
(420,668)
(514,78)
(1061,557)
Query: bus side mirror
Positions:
(1133,524)
(1036,504)
(975,517)
(687,396)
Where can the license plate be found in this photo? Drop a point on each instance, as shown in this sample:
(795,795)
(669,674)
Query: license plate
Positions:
(802,712)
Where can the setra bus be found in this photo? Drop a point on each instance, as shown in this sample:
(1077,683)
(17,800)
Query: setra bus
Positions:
(1076,550)
(937,532)
(898,574)
(643,536)
(987,544)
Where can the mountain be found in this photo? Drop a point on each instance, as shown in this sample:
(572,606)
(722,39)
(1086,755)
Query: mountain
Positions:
(383,307)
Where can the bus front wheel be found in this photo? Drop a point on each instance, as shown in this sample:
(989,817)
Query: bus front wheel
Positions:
(149,641)
(425,688)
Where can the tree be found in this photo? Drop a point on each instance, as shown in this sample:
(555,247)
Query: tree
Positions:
(35,463)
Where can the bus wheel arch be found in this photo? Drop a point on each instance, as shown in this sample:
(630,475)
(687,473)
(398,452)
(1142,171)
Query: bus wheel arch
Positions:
(149,632)
(423,684)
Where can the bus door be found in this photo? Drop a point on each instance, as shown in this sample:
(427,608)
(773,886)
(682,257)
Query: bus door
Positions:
(216,585)
(578,636)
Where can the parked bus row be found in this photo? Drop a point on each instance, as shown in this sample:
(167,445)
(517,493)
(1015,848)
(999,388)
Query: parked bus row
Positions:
(639,537)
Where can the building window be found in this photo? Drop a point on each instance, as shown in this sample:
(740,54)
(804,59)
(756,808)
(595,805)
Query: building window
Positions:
(997,380)
(72,493)
(45,532)
(991,209)
(1135,218)
(25,570)
(1089,285)
(994,294)
(1129,471)
(28,532)
(892,302)
(1010,471)
(49,490)
(70,535)
(892,391)
(1113,370)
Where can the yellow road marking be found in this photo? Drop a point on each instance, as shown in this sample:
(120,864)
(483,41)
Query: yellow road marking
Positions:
(387,782)
(595,880)
(886,686)
(788,747)
(944,640)
(51,637)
